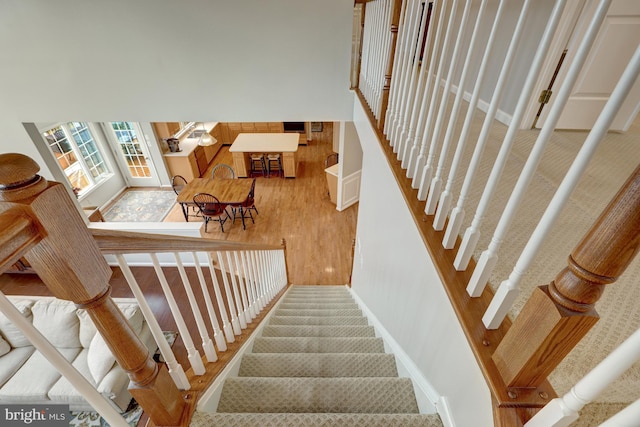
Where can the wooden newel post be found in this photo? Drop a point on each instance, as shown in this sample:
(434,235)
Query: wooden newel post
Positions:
(557,316)
(70,263)
(384,102)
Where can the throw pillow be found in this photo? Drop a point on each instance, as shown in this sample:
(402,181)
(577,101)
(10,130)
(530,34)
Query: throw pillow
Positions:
(57,321)
(4,347)
(100,360)
(11,333)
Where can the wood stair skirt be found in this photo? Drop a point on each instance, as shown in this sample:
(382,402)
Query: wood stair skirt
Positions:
(317,363)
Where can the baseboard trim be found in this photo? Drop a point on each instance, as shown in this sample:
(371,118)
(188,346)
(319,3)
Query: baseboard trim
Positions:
(444,410)
(426,395)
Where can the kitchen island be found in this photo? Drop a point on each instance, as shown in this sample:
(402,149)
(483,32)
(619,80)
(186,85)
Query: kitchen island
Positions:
(246,143)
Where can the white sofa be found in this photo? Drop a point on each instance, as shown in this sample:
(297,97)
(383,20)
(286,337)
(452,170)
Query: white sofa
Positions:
(26,376)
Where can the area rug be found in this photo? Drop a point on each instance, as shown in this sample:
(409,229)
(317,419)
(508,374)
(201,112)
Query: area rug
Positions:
(93,419)
(141,206)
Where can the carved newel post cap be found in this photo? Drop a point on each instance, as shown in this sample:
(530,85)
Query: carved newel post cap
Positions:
(19,177)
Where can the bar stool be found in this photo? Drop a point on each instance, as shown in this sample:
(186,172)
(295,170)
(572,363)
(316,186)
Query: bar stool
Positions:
(258,163)
(274,161)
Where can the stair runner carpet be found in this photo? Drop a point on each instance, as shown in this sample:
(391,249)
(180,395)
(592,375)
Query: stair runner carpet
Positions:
(317,363)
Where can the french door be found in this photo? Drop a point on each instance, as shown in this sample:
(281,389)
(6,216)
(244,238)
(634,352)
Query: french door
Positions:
(132,154)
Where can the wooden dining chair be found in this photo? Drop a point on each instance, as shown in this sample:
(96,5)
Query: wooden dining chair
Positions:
(222,171)
(246,206)
(178,182)
(211,209)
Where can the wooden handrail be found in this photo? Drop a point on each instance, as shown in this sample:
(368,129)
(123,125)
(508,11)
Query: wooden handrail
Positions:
(557,316)
(126,242)
(69,262)
(18,234)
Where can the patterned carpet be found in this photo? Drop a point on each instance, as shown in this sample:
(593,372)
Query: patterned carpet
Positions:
(308,368)
(141,206)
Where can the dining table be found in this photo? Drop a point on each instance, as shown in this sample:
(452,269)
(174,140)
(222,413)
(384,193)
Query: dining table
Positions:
(228,191)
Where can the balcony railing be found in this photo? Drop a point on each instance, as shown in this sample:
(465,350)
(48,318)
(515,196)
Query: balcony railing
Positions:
(423,128)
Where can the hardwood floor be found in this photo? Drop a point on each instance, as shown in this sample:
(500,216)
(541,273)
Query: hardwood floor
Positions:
(319,238)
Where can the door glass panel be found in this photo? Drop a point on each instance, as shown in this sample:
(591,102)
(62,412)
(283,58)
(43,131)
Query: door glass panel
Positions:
(131,149)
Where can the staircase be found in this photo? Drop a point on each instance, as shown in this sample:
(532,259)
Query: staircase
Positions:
(317,363)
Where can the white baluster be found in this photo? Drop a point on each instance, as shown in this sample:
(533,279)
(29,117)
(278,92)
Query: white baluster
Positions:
(562,411)
(472,234)
(410,154)
(436,183)
(444,204)
(403,49)
(398,70)
(217,333)
(247,280)
(415,33)
(235,322)
(236,292)
(417,155)
(422,180)
(192,353)
(88,391)
(207,343)
(538,148)
(258,281)
(393,90)
(175,369)
(241,285)
(226,326)
(494,314)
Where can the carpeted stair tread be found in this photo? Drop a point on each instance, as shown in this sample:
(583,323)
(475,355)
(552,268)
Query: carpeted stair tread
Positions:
(203,419)
(312,305)
(337,395)
(318,345)
(318,365)
(318,320)
(328,300)
(318,331)
(317,312)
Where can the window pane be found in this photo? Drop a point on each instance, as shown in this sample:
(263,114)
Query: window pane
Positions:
(92,157)
(130,146)
(61,147)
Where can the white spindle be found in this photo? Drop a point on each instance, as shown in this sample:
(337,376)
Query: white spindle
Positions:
(175,369)
(192,353)
(243,290)
(254,282)
(236,292)
(446,197)
(385,52)
(628,417)
(235,322)
(226,326)
(562,411)
(262,294)
(393,89)
(416,33)
(472,234)
(409,43)
(218,336)
(436,183)
(422,180)
(248,282)
(417,154)
(364,61)
(207,343)
(78,381)
(509,289)
(489,257)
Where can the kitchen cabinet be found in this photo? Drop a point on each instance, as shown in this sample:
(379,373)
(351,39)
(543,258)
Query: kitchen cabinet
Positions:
(193,160)
(229,131)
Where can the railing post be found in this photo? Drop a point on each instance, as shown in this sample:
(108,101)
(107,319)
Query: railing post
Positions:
(384,101)
(69,262)
(557,316)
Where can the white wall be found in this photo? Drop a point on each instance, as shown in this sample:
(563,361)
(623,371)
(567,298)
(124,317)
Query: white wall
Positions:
(166,60)
(394,276)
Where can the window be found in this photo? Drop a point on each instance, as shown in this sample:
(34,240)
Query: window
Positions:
(78,155)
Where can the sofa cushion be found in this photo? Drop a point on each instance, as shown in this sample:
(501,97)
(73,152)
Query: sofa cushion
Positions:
(4,347)
(12,361)
(57,321)
(10,332)
(32,382)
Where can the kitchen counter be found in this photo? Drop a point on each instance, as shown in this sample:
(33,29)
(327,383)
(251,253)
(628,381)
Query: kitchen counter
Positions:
(187,145)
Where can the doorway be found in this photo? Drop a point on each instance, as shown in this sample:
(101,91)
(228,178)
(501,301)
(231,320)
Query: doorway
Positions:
(132,154)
